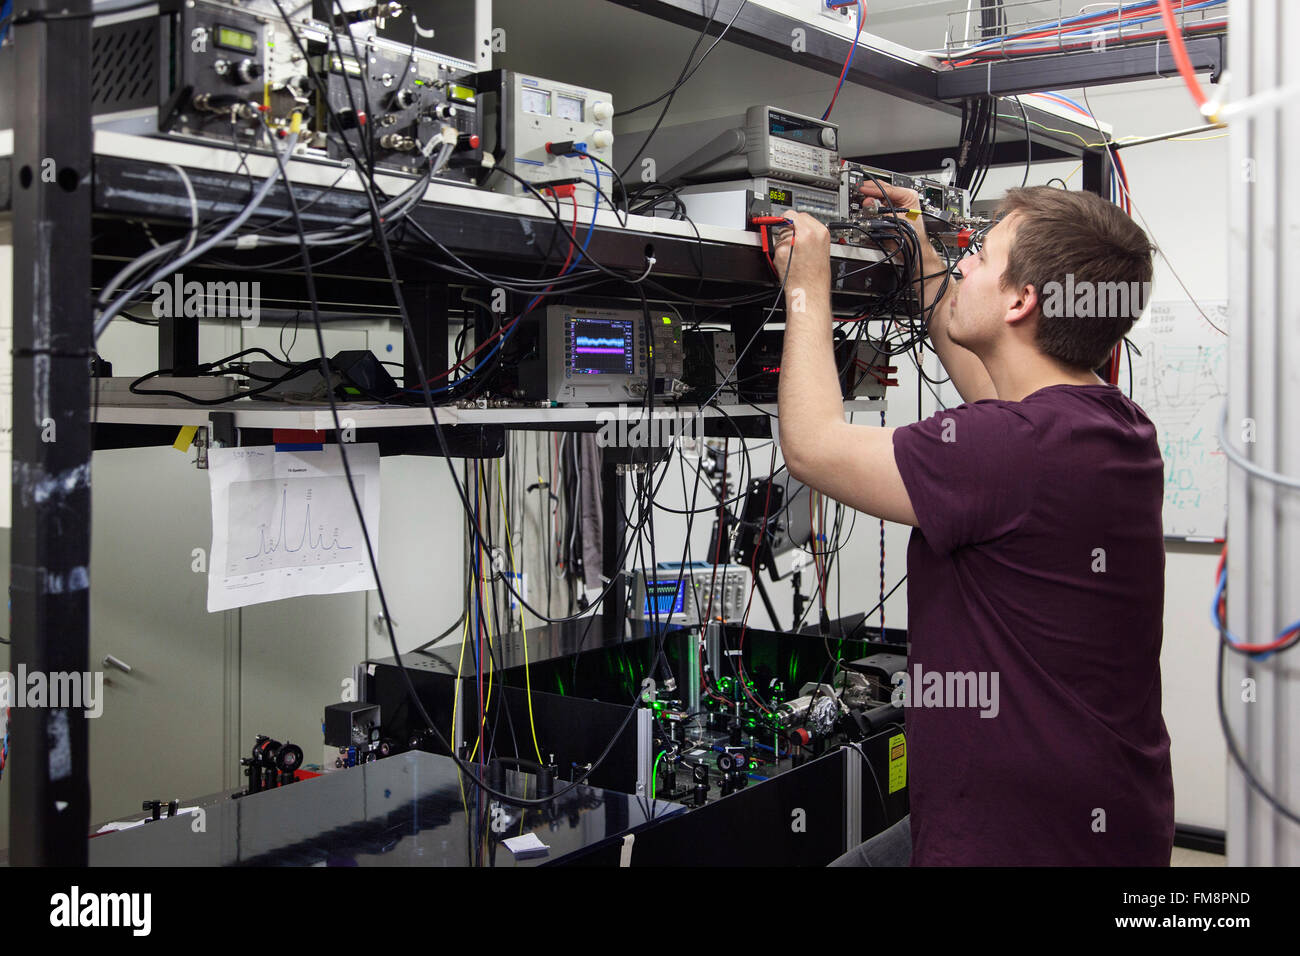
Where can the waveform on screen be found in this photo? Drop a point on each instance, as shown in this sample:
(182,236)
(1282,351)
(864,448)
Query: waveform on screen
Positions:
(594,341)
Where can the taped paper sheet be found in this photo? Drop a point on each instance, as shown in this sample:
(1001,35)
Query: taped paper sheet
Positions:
(284,525)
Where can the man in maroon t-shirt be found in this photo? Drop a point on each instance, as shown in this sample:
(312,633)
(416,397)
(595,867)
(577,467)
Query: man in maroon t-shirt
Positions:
(1036,570)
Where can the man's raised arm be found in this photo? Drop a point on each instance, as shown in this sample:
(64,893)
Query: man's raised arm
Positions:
(965,369)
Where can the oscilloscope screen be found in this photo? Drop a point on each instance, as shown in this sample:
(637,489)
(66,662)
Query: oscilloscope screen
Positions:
(602,346)
(667,598)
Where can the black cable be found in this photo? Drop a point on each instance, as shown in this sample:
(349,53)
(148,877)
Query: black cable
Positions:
(618,181)
(1029,147)
(356,502)
(1233,748)
(682,78)
(685,68)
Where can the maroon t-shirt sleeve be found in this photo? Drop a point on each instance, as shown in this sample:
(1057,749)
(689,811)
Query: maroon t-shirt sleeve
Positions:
(970,472)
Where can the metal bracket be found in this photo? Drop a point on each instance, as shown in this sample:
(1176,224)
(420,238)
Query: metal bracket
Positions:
(223,433)
(852,797)
(201,448)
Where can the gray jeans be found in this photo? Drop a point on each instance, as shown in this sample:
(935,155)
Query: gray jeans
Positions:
(892,846)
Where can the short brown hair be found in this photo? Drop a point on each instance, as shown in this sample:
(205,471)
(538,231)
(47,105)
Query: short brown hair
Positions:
(1067,240)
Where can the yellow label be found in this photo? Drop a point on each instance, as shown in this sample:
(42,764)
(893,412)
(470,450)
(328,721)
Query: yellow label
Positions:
(185,437)
(897,763)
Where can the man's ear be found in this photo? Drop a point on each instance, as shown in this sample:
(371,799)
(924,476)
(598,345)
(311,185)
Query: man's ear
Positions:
(1024,306)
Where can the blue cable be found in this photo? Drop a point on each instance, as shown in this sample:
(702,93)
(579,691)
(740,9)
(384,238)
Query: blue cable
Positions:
(1063,98)
(6,11)
(582,250)
(1233,639)
(849,65)
(975,48)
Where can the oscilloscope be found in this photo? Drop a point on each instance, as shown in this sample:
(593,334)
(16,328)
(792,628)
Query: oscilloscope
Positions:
(603,355)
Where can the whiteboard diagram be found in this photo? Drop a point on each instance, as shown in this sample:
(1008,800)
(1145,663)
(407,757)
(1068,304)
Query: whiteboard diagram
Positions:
(1181,380)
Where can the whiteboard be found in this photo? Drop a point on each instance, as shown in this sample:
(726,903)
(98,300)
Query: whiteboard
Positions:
(1181,380)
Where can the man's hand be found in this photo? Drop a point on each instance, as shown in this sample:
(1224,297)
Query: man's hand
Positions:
(805,250)
(968,374)
(910,200)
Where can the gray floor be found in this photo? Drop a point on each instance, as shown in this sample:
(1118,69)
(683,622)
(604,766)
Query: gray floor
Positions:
(1184,857)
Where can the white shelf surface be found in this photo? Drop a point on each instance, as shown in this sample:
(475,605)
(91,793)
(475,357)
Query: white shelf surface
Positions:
(253,414)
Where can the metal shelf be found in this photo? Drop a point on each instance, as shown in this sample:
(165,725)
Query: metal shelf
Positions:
(255,414)
(923,79)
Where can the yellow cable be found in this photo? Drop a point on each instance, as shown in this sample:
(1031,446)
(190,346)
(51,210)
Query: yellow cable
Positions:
(523,625)
(1122,139)
(487,617)
(455,705)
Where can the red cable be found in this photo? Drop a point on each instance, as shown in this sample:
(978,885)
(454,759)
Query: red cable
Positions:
(717,554)
(839,85)
(812,523)
(717,549)
(1284,638)
(753,583)
(573,235)
(982,57)
(768,246)
(1123,178)
(1179,49)
(478,628)
(1095,19)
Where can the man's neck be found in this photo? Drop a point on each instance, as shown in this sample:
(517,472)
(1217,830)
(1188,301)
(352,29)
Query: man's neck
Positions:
(1016,377)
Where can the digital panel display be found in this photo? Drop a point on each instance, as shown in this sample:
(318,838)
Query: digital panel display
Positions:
(462,93)
(664,598)
(568,107)
(776,194)
(601,346)
(794,128)
(536,101)
(233,39)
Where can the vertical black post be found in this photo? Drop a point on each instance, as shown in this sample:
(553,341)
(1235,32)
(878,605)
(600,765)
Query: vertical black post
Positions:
(49,580)
(1097,172)
(426,305)
(178,342)
(612,527)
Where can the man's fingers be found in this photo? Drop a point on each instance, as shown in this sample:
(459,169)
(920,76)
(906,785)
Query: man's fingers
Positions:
(896,195)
